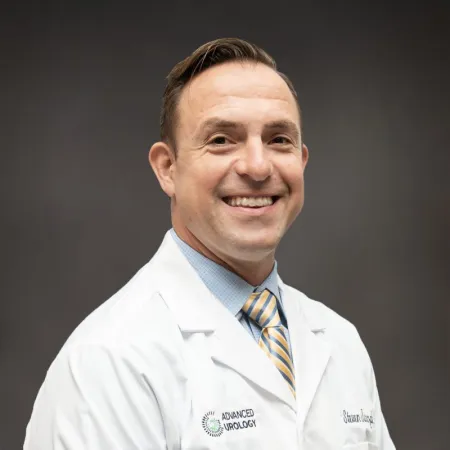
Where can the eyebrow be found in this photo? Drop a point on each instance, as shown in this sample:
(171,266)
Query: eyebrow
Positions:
(215,122)
(282,125)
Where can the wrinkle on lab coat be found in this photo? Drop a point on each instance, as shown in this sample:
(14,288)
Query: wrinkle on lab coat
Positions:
(164,365)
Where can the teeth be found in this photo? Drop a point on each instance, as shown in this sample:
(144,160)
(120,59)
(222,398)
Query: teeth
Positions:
(252,202)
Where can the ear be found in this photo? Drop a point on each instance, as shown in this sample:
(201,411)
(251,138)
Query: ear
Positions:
(305,155)
(162,159)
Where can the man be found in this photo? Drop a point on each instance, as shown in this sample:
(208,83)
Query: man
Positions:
(206,347)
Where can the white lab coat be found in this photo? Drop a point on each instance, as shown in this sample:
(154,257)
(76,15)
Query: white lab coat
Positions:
(164,365)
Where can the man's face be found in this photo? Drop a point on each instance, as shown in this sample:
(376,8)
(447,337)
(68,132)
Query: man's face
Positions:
(238,175)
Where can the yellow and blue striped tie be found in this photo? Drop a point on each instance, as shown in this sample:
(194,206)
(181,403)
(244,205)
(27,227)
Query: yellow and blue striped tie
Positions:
(262,308)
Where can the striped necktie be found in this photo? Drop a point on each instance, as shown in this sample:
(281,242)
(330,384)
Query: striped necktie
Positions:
(262,308)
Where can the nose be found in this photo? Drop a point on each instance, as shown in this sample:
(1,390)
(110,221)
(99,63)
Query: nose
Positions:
(254,162)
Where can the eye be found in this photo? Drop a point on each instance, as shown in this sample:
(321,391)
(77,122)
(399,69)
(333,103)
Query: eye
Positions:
(219,140)
(283,140)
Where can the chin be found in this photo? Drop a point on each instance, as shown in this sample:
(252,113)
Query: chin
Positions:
(250,247)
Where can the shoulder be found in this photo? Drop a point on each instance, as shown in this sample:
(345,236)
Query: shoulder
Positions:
(131,341)
(136,317)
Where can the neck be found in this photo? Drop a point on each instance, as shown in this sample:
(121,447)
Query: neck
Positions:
(253,272)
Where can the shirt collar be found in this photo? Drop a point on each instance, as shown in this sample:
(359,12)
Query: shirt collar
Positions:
(226,286)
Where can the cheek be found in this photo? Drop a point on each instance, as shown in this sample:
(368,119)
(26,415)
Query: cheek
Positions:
(210,172)
(197,184)
(292,174)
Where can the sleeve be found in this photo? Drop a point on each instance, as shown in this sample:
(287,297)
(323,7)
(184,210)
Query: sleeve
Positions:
(95,398)
(383,437)
(381,434)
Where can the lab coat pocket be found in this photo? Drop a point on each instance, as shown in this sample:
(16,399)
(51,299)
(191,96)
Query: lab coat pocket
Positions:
(361,446)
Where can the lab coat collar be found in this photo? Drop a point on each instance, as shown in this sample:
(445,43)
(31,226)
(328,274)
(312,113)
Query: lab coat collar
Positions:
(192,307)
(172,266)
(314,322)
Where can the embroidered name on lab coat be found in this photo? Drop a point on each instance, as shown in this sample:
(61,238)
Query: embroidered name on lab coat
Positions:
(360,417)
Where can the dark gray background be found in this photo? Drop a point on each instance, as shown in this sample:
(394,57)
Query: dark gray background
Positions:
(82,210)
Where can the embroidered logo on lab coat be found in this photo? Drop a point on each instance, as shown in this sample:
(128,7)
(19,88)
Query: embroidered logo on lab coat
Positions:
(211,424)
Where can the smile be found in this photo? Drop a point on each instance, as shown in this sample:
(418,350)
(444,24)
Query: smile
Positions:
(250,202)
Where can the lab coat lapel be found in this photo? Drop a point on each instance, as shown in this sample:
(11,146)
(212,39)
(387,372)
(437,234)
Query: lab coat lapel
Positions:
(310,353)
(196,310)
(233,346)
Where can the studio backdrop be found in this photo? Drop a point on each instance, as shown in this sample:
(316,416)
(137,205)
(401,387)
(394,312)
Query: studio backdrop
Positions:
(82,210)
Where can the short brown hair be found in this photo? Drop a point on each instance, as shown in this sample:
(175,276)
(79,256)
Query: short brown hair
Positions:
(210,54)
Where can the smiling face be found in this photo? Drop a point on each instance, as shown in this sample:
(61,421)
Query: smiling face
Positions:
(237,182)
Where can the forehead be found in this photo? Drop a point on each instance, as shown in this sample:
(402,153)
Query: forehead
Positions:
(237,90)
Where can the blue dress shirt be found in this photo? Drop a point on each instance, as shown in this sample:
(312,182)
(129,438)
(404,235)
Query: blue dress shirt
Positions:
(231,289)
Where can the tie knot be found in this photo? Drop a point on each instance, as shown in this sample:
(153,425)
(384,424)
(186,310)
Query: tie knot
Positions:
(262,308)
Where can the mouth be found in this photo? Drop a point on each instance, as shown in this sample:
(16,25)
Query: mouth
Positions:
(253,202)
